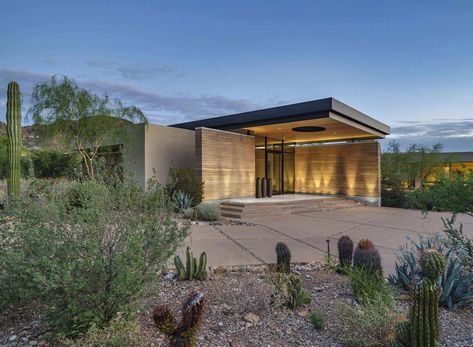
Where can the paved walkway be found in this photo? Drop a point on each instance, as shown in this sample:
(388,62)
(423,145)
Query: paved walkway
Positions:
(306,234)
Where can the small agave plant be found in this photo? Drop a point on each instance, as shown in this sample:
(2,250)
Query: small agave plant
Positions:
(182,201)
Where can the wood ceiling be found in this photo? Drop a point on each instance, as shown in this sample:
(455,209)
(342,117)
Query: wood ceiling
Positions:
(335,130)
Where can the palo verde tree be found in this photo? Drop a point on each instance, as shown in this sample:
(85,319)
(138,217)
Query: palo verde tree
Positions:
(71,115)
(410,168)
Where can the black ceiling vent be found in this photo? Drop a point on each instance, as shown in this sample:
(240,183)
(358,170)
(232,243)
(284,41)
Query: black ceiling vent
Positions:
(308,129)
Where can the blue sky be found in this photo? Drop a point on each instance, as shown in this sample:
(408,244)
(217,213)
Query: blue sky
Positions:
(406,63)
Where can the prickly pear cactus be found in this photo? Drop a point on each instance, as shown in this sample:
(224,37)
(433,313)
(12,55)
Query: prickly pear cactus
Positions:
(14,139)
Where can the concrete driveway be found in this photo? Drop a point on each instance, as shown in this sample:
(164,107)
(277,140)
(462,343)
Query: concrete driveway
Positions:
(306,234)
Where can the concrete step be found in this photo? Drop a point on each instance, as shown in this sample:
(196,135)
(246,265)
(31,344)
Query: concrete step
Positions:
(259,209)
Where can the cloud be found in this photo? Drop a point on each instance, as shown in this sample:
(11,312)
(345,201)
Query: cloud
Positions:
(177,107)
(100,63)
(143,72)
(132,72)
(454,135)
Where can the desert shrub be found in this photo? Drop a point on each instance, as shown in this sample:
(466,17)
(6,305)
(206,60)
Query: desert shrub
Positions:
(317,319)
(118,333)
(53,164)
(368,286)
(455,195)
(393,197)
(186,181)
(190,213)
(208,211)
(86,250)
(461,244)
(456,282)
(182,201)
(371,324)
(288,291)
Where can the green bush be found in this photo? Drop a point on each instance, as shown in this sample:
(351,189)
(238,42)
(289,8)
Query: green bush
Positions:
(393,197)
(86,250)
(369,325)
(49,163)
(190,213)
(208,211)
(368,286)
(317,319)
(120,332)
(186,181)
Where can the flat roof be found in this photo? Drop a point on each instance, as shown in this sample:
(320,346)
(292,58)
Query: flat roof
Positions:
(457,156)
(315,109)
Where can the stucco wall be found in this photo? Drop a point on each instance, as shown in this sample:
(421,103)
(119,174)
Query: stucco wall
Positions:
(343,169)
(226,163)
(151,148)
(164,145)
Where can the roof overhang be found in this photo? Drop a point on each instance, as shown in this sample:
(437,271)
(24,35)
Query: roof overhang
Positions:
(341,122)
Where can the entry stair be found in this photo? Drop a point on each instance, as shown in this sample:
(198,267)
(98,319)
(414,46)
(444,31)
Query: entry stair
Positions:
(240,210)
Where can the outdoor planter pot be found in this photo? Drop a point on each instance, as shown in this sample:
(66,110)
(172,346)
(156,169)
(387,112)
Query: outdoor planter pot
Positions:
(258,187)
(264,187)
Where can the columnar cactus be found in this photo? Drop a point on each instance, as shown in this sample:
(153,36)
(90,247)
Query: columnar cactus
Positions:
(367,256)
(182,334)
(345,250)
(432,263)
(14,139)
(425,327)
(193,269)
(283,258)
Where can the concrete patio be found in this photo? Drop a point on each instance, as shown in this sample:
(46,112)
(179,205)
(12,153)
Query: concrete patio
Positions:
(306,234)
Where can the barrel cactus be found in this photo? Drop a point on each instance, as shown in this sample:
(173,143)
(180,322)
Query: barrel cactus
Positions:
(283,257)
(193,270)
(14,139)
(182,334)
(367,256)
(345,250)
(424,315)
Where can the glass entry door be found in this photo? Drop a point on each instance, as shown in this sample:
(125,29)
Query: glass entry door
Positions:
(275,163)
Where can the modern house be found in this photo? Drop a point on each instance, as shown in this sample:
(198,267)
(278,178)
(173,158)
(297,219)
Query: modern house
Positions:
(457,163)
(317,147)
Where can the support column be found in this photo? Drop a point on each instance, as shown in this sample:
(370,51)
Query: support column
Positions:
(282,167)
(266,166)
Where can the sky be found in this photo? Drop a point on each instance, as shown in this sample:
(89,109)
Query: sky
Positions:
(408,64)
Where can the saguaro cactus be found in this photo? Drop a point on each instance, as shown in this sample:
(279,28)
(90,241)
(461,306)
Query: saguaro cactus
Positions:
(425,327)
(182,334)
(14,139)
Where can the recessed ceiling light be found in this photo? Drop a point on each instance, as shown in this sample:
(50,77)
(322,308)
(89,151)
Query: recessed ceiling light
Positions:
(308,129)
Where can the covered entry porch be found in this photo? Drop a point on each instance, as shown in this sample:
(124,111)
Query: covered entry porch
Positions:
(319,147)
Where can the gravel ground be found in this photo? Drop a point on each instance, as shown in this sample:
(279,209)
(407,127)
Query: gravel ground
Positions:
(239,312)
(236,297)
